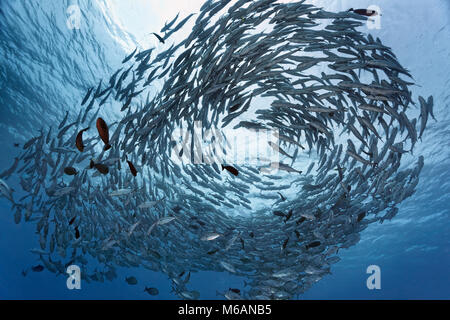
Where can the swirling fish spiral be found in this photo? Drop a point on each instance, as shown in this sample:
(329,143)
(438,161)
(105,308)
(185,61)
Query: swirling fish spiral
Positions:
(337,99)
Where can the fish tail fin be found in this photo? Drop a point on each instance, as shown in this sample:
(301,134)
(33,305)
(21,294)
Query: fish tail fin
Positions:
(107,147)
(223,167)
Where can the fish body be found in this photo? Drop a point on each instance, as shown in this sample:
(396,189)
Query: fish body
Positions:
(120,192)
(152,291)
(132,168)
(79,140)
(70,171)
(131,280)
(5,190)
(211,237)
(103,131)
(231,170)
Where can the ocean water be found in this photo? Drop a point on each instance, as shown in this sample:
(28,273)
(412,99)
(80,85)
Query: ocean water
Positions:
(46,66)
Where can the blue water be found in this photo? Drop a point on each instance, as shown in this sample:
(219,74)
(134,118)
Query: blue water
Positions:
(45,67)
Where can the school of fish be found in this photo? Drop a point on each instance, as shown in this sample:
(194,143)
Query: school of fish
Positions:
(112,192)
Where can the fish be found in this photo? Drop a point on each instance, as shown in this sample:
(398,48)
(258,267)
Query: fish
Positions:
(349,129)
(63,122)
(279,214)
(79,140)
(364,12)
(165,220)
(288,216)
(103,131)
(149,204)
(77,233)
(131,280)
(132,168)
(7,173)
(231,170)
(167,26)
(127,58)
(152,291)
(228,267)
(6,191)
(102,168)
(284,167)
(313,244)
(120,192)
(86,97)
(159,37)
(278,149)
(72,220)
(37,268)
(285,242)
(70,171)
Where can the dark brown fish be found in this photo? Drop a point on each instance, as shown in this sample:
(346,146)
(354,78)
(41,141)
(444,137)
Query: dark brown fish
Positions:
(230,169)
(72,220)
(212,251)
(77,233)
(361,216)
(79,140)
(37,268)
(288,216)
(103,131)
(103,169)
(70,171)
(313,244)
(285,243)
(279,213)
(234,108)
(364,12)
(300,220)
(132,168)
